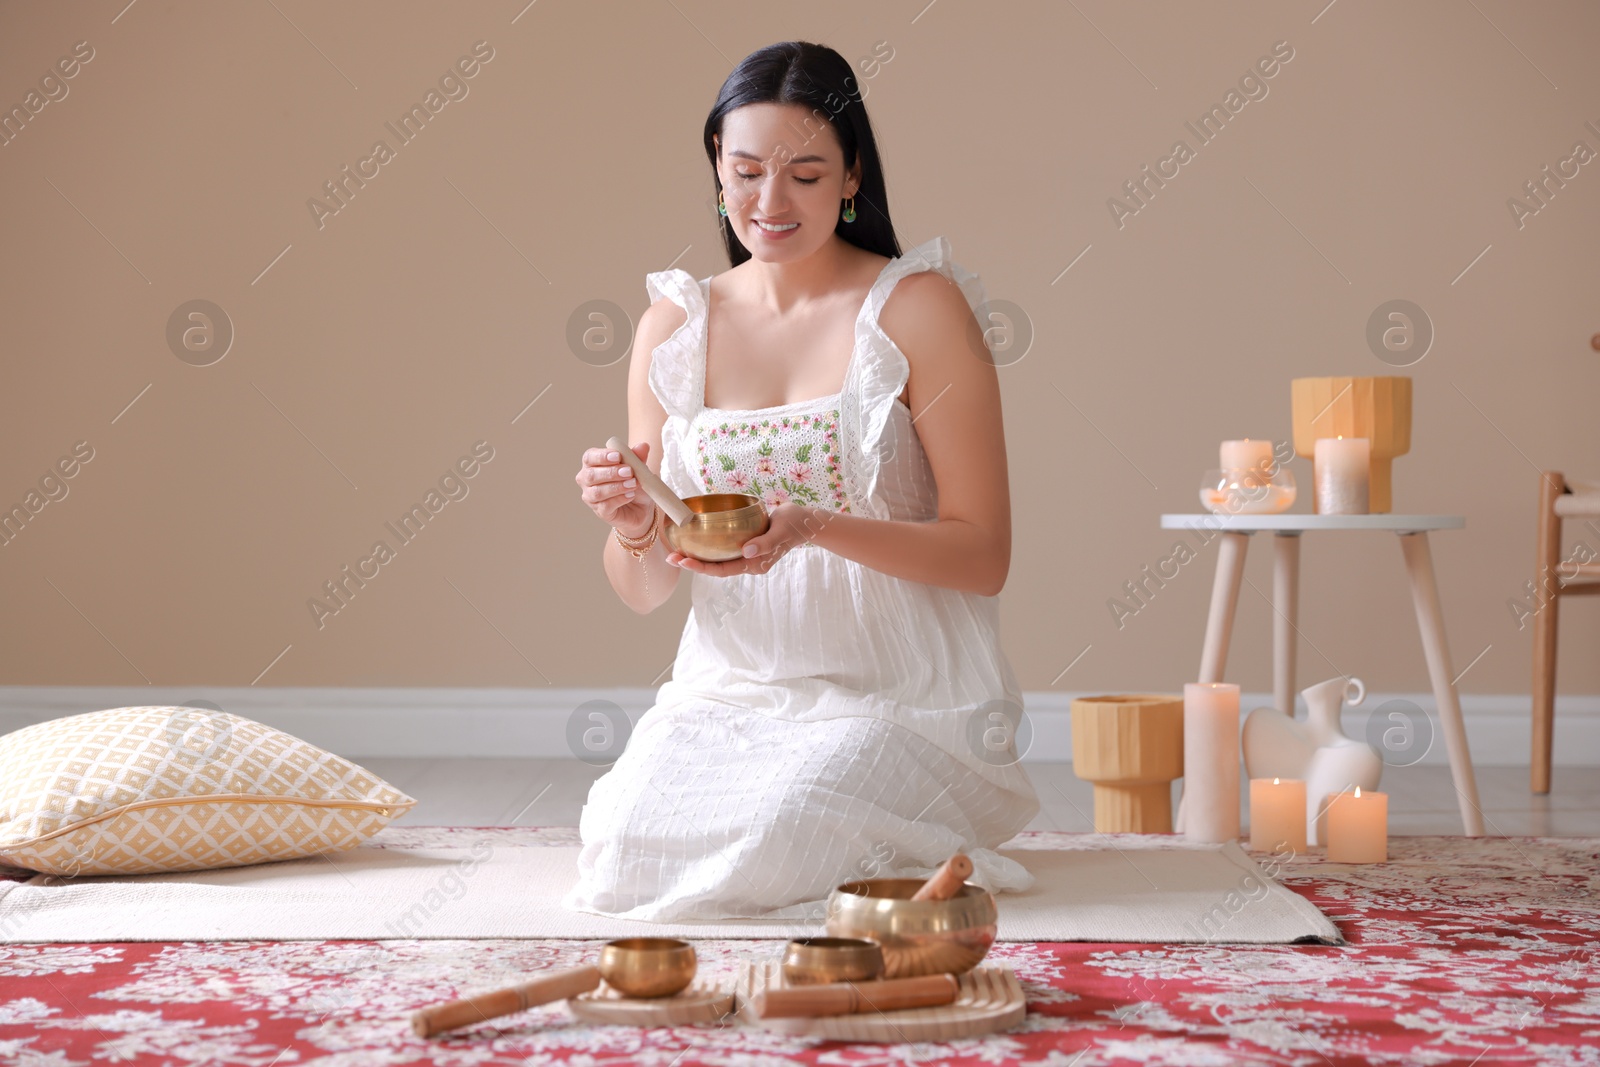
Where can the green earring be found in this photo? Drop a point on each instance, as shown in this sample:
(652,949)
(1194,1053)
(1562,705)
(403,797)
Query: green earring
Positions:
(722,207)
(850,210)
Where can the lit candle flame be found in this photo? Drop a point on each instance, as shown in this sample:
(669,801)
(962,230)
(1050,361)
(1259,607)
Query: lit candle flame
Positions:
(1274,781)
(1358,790)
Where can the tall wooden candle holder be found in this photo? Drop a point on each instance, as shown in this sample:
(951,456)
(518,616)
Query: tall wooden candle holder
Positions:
(1131,748)
(1378,409)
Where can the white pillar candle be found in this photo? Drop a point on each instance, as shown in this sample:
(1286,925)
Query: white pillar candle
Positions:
(1277,814)
(1210,761)
(1339,470)
(1358,827)
(1247,459)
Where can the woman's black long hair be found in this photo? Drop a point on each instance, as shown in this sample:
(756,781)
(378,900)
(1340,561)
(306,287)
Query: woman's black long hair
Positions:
(818,78)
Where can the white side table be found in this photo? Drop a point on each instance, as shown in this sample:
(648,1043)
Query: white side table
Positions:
(1235,531)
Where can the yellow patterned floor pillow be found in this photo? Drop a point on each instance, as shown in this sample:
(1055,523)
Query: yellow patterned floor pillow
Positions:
(150,789)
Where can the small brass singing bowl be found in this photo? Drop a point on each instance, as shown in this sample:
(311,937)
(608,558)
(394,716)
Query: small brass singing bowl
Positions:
(917,936)
(810,960)
(647,966)
(719,527)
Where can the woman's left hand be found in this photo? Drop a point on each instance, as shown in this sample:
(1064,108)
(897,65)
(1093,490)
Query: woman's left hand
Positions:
(789,525)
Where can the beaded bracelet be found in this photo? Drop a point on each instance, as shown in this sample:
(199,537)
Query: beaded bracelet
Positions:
(639,547)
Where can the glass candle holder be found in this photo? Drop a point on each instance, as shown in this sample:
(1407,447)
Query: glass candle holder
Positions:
(1248,492)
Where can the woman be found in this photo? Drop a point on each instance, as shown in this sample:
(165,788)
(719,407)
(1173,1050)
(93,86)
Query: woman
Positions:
(840,706)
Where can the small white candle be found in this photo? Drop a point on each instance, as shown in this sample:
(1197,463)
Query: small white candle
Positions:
(1210,761)
(1339,470)
(1247,459)
(1277,814)
(1358,827)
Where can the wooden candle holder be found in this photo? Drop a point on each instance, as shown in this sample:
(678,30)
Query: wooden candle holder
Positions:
(1131,748)
(1378,409)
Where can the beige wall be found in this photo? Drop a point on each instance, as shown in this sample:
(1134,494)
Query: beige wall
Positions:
(427,314)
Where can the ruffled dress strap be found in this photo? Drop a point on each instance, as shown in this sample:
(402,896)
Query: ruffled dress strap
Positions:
(677,374)
(879,371)
(677,366)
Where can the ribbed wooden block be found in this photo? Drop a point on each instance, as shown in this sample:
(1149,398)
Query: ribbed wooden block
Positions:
(990,1000)
(1378,409)
(1131,748)
(702,1002)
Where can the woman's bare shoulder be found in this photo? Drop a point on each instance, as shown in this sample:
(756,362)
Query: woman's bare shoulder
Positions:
(926,304)
(658,322)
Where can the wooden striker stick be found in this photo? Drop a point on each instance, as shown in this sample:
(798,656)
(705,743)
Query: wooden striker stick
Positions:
(425,1022)
(849,998)
(656,489)
(947,880)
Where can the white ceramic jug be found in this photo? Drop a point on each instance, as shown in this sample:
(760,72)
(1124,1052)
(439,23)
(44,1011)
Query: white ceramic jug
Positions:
(1317,751)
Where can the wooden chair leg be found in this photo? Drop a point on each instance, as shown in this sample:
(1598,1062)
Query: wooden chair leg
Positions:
(1546,604)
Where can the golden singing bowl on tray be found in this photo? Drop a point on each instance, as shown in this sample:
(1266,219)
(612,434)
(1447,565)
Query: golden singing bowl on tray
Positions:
(647,966)
(720,525)
(917,936)
(809,960)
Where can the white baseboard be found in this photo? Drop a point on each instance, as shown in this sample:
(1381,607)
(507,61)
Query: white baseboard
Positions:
(360,722)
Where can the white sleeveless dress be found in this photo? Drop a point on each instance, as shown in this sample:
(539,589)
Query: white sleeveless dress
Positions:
(824,721)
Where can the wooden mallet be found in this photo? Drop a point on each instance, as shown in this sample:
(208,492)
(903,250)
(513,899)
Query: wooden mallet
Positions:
(947,880)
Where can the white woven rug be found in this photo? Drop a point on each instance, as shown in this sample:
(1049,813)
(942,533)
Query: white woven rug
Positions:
(449,882)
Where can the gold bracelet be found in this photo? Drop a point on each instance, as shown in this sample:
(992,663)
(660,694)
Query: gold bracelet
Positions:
(642,544)
(639,547)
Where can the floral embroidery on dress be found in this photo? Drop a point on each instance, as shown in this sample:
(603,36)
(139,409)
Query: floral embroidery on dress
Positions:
(778,458)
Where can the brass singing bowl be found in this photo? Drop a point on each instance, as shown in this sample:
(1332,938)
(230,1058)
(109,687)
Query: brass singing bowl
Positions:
(810,960)
(917,937)
(719,527)
(647,966)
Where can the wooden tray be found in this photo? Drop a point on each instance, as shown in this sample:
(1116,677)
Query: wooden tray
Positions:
(990,1000)
(702,1002)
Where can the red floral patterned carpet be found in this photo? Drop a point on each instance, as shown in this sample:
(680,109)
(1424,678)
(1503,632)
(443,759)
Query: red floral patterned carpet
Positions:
(1462,951)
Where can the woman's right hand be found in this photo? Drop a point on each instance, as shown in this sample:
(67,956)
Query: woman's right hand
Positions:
(611,487)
